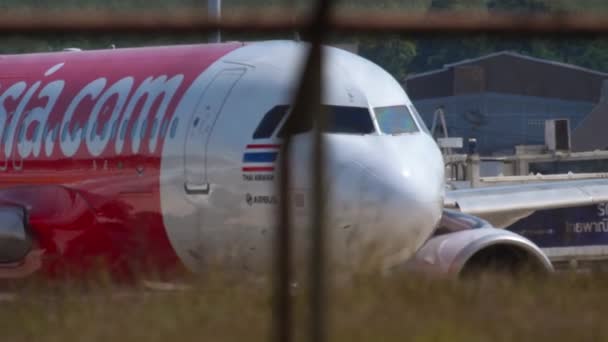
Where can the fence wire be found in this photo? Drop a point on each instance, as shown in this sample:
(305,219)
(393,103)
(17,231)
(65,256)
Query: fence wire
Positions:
(314,27)
(272,20)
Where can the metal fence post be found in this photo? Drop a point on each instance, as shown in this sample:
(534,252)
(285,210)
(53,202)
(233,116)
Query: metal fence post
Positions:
(214,11)
(306,110)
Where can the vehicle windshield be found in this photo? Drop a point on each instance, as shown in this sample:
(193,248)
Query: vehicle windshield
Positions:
(395,120)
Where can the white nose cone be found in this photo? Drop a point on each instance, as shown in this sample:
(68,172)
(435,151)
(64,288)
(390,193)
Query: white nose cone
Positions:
(401,199)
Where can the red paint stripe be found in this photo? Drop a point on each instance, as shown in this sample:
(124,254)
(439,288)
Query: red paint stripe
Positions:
(263,146)
(258,169)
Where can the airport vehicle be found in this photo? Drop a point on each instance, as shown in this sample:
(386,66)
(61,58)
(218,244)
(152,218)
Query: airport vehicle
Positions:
(163,157)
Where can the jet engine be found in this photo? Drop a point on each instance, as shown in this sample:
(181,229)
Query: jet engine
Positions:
(465,244)
(15,241)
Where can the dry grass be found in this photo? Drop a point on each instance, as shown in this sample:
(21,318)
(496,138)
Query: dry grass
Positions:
(562,308)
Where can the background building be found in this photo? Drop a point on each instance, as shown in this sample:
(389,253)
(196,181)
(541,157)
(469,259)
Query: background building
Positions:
(591,134)
(504,98)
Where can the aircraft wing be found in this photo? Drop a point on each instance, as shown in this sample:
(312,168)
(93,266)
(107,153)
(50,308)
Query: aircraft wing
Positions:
(504,205)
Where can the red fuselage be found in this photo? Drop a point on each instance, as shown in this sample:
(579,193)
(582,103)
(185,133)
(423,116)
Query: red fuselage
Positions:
(81,137)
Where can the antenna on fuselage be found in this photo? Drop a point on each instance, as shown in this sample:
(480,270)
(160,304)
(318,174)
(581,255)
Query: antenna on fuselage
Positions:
(214,12)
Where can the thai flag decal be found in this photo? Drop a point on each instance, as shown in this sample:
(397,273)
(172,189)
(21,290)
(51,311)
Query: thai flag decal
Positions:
(260,158)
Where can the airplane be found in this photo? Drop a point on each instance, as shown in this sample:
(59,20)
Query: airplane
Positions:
(165,158)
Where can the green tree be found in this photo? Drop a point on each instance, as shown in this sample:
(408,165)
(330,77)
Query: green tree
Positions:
(394,54)
(398,54)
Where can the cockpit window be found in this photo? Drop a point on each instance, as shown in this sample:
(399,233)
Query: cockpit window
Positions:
(418,117)
(395,120)
(270,122)
(340,119)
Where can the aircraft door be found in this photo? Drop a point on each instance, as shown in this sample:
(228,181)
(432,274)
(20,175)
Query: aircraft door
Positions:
(200,127)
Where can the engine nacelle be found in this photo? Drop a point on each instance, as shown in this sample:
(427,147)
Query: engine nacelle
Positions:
(15,242)
(464,242)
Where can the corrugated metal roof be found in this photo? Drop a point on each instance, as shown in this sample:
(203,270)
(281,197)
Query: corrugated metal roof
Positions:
(511,54)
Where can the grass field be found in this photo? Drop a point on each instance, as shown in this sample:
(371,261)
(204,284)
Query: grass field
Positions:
(561,308)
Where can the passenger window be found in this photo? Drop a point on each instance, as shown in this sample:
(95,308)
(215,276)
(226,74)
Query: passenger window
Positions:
(74,130)
(64,134)
(395,120)
(154,127)
(104,131)
(164,127)
(133,132)
(84,130)
(270,122)
(174,128)
(93,130)
(114,129)
(45,131)
(123,130)
(143,128)
(35,135)
(21,133)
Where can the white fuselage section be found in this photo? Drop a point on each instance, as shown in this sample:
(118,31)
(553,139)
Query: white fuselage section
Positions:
(218,195)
